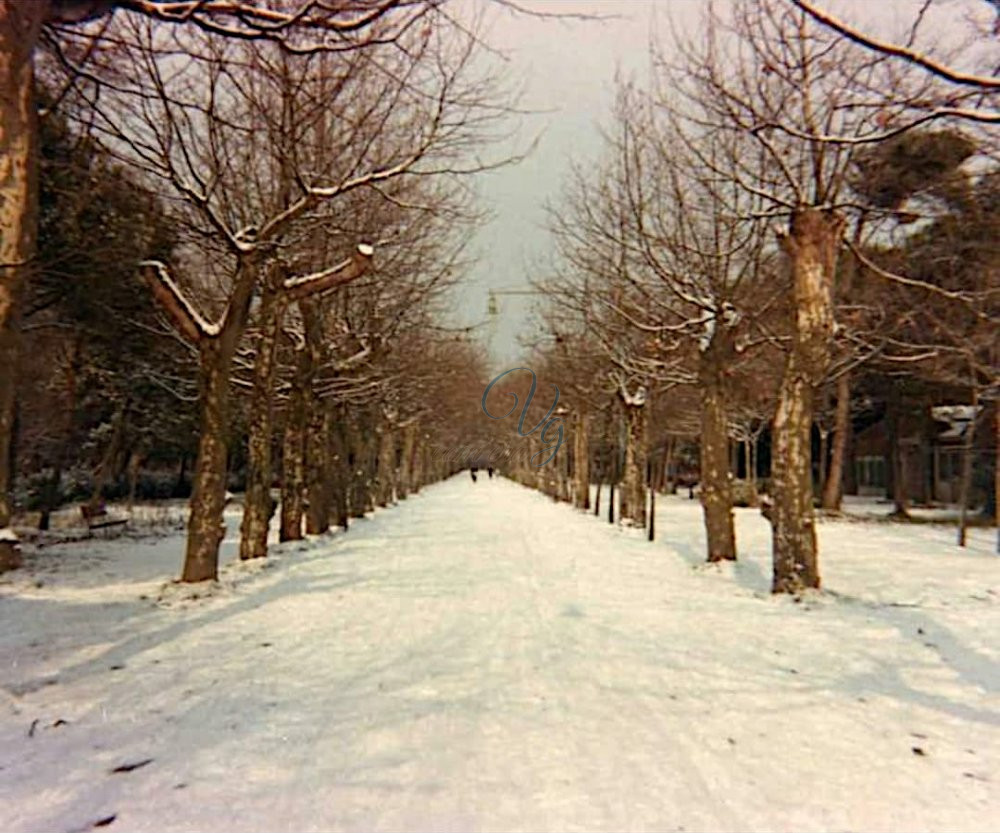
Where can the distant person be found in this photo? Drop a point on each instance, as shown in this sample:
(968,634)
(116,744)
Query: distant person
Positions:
(490,470)
(473,471)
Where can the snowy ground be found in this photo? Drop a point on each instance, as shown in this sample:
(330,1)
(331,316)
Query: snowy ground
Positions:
(481,658)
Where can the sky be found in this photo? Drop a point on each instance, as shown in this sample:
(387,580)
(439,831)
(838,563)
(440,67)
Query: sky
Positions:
(567,69)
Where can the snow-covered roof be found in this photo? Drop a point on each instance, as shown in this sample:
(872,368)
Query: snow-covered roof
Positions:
(958,418)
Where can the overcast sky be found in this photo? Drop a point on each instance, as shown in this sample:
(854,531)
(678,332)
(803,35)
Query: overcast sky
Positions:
(568,70)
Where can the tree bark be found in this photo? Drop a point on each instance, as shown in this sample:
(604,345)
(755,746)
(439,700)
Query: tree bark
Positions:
(205,527)
(633,490)
(134,464)
(811,244)
(293,459)
(386,476)
(833,488)
(259,506)
(358,453)
(716,483)
(112,452)
(318,468)
(405,480)
(996,469)
(965,486)
(581,461)
(340,488)
(20,25)
(897,486)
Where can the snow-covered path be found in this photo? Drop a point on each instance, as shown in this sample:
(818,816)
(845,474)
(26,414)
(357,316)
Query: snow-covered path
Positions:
(480,658)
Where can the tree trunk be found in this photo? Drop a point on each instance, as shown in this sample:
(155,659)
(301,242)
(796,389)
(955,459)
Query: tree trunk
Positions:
(581,461)
(259,506)
(20,25)
(107,463)
(316,509)
(850,462)
(403,485)
(716,485)
(369,471)
(417,466)
(386,476)
(358,453)
(833,488)
(811,244)
(965,486)
(205,527)
(340,469)
(318,468)
(134,464)
(996,469)
(633,489)
(897,486)
(752,499)
(824,445)
(293,459)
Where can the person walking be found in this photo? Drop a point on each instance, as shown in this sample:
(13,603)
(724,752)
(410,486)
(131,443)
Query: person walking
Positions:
(472,471)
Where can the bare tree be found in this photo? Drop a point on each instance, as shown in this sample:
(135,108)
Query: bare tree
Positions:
(765,71)
(303,27)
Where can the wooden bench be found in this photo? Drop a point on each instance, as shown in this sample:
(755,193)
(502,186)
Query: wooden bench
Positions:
(97,517)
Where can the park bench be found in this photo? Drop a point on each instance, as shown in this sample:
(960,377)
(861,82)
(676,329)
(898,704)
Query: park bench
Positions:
(97,517)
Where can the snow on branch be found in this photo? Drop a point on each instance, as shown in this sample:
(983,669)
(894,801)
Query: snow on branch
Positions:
(911,56)
(173,301)
(254,20)
(354,267)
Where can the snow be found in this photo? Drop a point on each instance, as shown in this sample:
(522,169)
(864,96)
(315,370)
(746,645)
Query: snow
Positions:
(299,280)
(8,536)
(635,400)
(163,274)
(958,417)
(480,657)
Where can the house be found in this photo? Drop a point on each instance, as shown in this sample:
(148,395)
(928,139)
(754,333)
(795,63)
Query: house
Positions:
(931,444)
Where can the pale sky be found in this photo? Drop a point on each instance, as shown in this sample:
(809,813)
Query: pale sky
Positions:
(568,68)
